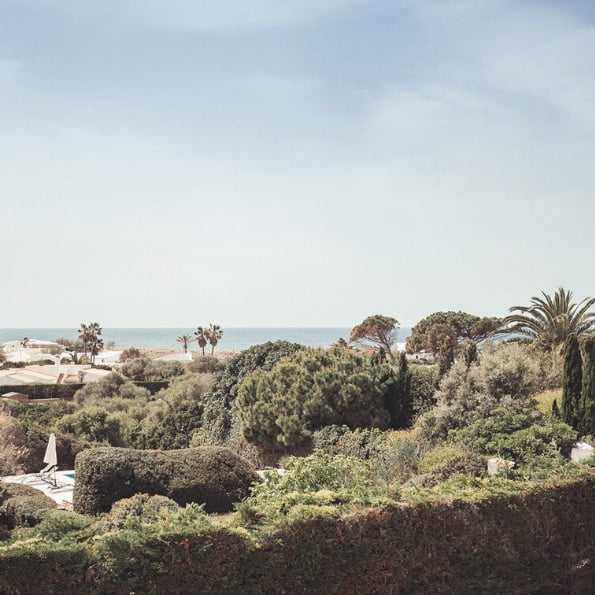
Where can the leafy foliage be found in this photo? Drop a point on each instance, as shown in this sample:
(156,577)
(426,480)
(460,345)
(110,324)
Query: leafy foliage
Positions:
(176,416)
(218,411)
(451,328)
(379,331)
(507,376)
(572,383)
(517,435)
(312,389)
(22,505)
(588,387)
(213,476)
(549,321)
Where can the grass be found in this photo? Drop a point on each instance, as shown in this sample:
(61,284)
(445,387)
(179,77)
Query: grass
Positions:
(546,398)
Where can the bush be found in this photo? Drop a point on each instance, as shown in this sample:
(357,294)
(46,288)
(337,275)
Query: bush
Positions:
(21,505)
(318,482)
(423,388)
(13,445)
(60,525)
(128,512)
(129,353)
(213,476)
(442,462)
(516,435)
(205,364)
(110,386)
(176,416)
(506,376)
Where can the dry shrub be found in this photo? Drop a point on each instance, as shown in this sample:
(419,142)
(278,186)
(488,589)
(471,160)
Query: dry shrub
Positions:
(13,446)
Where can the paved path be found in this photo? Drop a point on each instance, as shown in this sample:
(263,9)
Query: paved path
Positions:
(62,494)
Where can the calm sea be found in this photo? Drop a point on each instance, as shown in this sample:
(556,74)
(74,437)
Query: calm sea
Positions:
(234,339)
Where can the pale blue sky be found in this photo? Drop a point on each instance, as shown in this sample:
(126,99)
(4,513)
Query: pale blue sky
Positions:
(292,162)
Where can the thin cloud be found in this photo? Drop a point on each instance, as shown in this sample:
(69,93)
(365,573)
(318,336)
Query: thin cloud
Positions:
(10,71)
(208,16)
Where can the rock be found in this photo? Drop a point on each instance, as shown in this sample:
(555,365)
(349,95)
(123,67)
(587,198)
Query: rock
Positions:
(580,451)
(497,465)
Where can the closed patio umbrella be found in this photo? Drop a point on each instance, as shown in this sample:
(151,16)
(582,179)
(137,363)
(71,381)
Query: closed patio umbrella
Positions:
(51,457)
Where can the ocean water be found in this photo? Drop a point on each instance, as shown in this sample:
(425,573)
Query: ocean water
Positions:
(234,339)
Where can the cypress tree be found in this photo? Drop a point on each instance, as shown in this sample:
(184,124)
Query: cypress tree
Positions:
(398,398)
(446,357)
(588,387)
(470,354)
(572,384)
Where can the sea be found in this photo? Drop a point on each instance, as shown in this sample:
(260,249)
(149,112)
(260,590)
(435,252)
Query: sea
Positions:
(234,339)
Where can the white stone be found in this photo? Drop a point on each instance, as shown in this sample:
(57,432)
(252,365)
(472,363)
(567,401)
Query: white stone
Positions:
(497,465)
(580,451)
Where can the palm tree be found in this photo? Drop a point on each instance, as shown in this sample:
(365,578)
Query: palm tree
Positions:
(185,339)
(550,320)
(84,337)
(90,335)
(201,338)
(214,333)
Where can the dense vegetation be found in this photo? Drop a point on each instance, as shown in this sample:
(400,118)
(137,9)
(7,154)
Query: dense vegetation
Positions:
(382,487)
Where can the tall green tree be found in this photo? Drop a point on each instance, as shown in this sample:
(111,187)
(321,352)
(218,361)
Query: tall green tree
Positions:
(588,387)
(398,397)
(430,333)
(572,383)
(446,357)
(185,339)
(550,320)
(309,390)
(201,338)
(378,331)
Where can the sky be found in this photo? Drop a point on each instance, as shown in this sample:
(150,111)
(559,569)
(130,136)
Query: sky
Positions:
(292,162)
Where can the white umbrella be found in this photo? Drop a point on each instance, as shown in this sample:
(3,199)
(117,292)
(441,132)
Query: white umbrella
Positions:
(50,457)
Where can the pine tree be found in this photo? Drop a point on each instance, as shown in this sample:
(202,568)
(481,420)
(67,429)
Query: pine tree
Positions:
(572,384)
(588,387)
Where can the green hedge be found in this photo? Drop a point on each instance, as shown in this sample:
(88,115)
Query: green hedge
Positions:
(67,391)
(22,505)
(210,475)
(153,386)
(537,540)
(43,391)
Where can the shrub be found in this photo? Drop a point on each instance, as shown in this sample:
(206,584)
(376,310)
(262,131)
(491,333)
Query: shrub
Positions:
(13,445)
(205,364)
(422,388)
(172,422)
(505,376)
(110,386)
(213,476)
(444,461)
(317,481)
(516,435)
(21,505)
(392,456)
(128,512)
(129,353)
(59,525)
